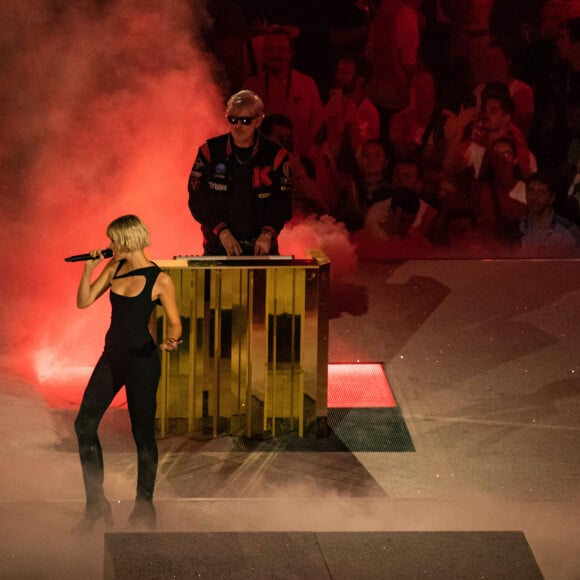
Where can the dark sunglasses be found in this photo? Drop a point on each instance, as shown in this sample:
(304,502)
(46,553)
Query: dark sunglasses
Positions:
(233,119)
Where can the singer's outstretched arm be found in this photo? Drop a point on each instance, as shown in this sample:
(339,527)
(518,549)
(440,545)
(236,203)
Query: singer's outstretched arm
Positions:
(88,292)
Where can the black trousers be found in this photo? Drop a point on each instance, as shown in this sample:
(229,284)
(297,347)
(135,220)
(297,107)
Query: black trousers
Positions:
(139,373)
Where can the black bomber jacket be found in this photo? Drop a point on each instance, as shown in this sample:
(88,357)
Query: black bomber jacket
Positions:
(210,188)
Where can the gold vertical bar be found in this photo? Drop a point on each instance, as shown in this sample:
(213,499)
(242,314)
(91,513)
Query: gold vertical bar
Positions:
(297,372)
(250,326)
(191,313)
(265,362)
(291,308)
(269,321)
(245,346)
(258,382)
(241,327)
(206,371)
(217,347)
(201,344)
(238,331)
(274,351)
(322,334)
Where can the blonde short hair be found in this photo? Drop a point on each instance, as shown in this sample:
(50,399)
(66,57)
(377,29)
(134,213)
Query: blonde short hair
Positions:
(245,100)
(129,232)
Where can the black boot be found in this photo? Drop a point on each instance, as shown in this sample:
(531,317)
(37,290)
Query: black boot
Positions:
(97,506)
(94,511)
(143,515)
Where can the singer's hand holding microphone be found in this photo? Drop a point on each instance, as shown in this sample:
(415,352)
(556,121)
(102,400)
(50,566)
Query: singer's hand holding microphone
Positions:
(92,255)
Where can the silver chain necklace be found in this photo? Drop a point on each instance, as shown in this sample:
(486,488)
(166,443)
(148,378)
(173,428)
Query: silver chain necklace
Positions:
(239,160)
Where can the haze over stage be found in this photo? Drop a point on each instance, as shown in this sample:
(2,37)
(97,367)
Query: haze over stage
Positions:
(482,359)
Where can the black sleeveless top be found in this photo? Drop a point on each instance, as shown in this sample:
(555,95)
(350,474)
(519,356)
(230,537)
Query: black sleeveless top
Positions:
(129,332)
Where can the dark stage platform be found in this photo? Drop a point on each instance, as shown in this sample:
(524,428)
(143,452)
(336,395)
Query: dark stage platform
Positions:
(319,556)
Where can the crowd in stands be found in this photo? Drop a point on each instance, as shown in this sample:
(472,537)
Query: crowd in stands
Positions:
(430,128)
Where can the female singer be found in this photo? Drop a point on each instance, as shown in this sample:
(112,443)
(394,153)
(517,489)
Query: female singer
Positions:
(130,358)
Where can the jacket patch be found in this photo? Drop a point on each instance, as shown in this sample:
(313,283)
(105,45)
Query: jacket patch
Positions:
(261,176)
(194,182)
(218,186)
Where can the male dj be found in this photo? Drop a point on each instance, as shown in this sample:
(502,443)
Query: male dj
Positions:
(239,186)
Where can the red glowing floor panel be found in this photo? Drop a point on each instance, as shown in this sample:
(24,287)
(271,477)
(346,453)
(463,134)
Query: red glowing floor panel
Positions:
(356,385)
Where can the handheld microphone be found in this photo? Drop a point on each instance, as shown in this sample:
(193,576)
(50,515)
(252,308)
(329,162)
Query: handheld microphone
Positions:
(107,253)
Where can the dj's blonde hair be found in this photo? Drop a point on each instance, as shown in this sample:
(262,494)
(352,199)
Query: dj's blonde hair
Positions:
(245,99)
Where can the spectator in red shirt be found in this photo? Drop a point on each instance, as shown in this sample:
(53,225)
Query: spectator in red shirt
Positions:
(285,90)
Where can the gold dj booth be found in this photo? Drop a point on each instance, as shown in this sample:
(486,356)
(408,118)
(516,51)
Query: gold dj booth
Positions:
(254,357)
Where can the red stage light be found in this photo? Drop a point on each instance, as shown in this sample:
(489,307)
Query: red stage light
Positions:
(358,385)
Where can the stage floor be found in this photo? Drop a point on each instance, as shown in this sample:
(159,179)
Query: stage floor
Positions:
(483,360)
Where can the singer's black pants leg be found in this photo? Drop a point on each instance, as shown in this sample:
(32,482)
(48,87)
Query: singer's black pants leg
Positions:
(101,389)
(141,386)
(140,375)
